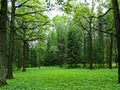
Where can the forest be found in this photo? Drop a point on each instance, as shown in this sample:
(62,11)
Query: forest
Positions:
(59,44)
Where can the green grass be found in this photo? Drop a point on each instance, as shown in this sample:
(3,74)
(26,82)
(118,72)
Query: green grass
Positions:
(55,78)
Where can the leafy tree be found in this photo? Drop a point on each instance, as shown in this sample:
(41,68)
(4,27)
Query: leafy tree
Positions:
(40,50)
(85,20)
(51,50)
(32,58)
(29,24)
(73,46)
(60,24)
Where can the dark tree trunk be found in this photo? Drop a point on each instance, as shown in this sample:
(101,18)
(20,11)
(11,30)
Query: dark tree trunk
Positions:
(110,52)
(24,55)
(3,29)
(101,45)
(90,45)
(84,62)
(117,26)
(11,44)
(101,42)
(107,53)
(19,58)
(116,54)
(102,50)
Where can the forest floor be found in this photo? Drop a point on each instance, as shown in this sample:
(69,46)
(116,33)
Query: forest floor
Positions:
(55,78)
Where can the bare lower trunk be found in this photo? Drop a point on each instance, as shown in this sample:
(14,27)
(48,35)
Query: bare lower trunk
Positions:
(110,52)
(84,62)
(90,45)
(11,45)
(117,26)
(19,58)
(3,28)
(24,56)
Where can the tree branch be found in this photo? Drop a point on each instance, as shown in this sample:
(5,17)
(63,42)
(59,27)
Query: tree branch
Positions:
(27,13)
(105,13)
(22,4)
(104,31)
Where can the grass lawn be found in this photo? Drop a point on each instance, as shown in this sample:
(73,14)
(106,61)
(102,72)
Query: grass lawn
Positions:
(55,78)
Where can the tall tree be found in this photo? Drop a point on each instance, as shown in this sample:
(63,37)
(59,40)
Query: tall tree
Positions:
(61,28)
(117,27)
(11,44)
(51,50)
(30,23)
(73,46)
(85,20)
(3,29)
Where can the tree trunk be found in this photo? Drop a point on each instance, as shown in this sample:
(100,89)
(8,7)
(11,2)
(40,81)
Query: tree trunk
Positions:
(11,44)
(116,54)
(24,55)
(90,45)
(110,52)
(84,62)
(117,27)
(19,58)
(3,28)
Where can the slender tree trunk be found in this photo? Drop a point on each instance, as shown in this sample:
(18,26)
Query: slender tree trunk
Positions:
(39,60)
(84,62)
(107,52)
(116,54)
(11,44)
(24,55)
(101,50)
(90,45)
(110,52)
(3,29)
(117,26)
(19,58)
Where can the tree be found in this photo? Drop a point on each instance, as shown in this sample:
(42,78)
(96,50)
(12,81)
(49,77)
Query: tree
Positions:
(12,35)
(73,45)
(40,50)
(26,34)
(30,21)
(117,27)
(60,24)
(11,42)
(32,58)
(85,19)
(3,29)
(51,50)
(19,54)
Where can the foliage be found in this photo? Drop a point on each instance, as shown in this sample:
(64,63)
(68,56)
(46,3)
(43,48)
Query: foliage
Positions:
(73,45)
(51,50)
(61,27)
(32,62)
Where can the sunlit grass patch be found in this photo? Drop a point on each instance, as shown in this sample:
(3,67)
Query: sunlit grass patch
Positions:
(55,78)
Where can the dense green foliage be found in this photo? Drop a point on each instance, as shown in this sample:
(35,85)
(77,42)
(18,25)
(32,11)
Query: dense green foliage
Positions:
(54,78)
(80,35)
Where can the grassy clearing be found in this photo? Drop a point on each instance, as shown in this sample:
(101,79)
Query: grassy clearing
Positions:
(54,78)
